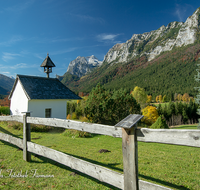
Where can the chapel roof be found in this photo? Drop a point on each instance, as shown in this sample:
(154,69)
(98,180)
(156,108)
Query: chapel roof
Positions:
(47,62)
(43,88)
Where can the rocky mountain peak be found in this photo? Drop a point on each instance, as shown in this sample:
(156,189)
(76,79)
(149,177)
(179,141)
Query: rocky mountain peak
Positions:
(83,65)
(151,44)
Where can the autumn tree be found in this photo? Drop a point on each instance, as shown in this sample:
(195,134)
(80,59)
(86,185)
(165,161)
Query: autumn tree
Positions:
(149,99)
(150,115)
(5,102)
(186,97)
(179,97)
(164,99)
(159,99)
(140,95)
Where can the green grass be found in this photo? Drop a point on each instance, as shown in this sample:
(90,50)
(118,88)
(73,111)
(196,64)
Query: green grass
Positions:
(193,126)
(162,104)
(177,167)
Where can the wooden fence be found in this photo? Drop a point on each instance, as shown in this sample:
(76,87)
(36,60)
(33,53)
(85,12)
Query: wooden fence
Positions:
(126,129)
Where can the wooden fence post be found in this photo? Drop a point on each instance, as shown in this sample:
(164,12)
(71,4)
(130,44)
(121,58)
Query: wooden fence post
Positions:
(26,137)
(130,151)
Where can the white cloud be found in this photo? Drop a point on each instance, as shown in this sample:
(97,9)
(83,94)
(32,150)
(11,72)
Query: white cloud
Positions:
(19,66)
(9,56)
(108,38)
(5,73)
(181,11)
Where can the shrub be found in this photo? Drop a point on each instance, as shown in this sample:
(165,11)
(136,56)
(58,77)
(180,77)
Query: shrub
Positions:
(78,111)
(34,128)
(160,123)
(74,116)
(76,134)
(4,110)
(41,128)
(83,119)
(15,125)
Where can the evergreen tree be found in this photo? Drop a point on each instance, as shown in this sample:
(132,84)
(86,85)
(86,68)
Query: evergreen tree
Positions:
(159,109)
(110,107)
(197,100)
(185,117)
(160,123)
(98,105)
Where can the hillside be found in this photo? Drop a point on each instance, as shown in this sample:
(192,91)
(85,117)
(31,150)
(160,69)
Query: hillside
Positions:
(6,84)
(170,72)
(161,61)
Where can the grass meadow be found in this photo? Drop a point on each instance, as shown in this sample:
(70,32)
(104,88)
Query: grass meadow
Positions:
(177,167)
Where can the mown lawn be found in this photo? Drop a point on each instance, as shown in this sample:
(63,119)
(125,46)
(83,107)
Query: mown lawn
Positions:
(192,126)
(162,104)
(177,167)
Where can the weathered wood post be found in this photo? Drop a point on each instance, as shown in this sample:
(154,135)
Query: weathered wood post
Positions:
(26,136)
(130,151)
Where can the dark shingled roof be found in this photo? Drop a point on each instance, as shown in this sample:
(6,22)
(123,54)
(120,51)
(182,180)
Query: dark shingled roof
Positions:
(47,62)
(44,88)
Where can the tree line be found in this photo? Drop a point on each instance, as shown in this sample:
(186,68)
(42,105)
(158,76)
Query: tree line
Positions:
(179,113)
(111,106)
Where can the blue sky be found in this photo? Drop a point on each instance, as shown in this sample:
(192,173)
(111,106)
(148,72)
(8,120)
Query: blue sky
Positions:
(69,28)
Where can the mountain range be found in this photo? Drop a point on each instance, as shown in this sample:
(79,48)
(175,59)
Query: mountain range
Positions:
(6,84)
(162,61)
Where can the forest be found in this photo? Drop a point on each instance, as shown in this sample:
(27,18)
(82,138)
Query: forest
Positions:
(111,106)
(169,73)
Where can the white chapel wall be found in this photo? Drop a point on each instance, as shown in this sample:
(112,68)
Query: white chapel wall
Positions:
(19,101)
(58,108)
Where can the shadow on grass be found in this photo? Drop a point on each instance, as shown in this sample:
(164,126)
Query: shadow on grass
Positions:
(158,181)
(47,160)
(110,166)
(9,133)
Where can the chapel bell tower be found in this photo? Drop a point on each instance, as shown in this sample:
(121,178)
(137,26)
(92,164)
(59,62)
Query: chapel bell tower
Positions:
(47,64)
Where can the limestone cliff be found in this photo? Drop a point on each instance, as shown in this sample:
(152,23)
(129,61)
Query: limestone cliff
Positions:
(151,44)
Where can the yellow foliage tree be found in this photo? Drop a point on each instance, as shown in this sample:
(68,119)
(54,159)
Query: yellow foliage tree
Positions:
(140,95)
(186,97)
(149,99)
(164,99)
(159,98)
(179,97)
(150,115)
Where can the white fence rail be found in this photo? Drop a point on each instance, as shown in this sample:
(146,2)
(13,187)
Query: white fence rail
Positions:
(122,181)
(177,137)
